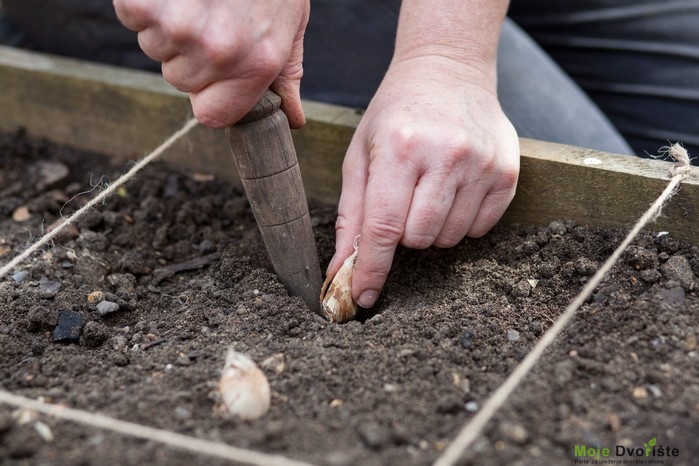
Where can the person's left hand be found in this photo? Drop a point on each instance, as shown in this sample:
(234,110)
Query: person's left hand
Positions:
(433,159)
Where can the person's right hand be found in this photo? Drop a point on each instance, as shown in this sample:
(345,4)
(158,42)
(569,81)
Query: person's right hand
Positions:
(224,53)
(433,160)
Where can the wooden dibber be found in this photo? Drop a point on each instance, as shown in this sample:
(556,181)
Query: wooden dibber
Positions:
(266,159)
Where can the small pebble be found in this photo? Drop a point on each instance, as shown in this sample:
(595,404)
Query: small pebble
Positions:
(467,337)
(183,360)
(69,326)
(51,173)
(20,276)
(107,307)
(48,288)
(464,384)
(378,319)
(274,363)
(95,297)
(516,433)
(678,268)
(183,413)
(614,422)
(44,431)
(522,289)
(512,335)
(449,404)
(21,214)
(471,406)
(557,228)
(650,275)
(655,391)
(374,435)
(336,403)
(536,327)
(640,393)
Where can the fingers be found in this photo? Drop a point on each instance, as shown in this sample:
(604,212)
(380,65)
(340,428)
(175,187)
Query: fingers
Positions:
(431,202)
(136,15)
(289,91)
(151,41)
(288,84)
(417,205)
(499,197)
(224,54)
(224,103)
(351,207)
(386,207)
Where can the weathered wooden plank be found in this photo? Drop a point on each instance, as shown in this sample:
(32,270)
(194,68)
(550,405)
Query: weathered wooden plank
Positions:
(124,112)
(596,188)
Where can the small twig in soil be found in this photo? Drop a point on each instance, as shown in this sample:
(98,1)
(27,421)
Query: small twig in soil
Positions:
(193,264)
(145,346)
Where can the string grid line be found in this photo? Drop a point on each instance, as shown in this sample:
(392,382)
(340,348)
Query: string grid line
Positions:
(497,399)
(100,197)
(453,451)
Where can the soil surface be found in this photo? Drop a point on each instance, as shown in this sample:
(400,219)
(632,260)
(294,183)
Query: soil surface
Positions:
(178,259)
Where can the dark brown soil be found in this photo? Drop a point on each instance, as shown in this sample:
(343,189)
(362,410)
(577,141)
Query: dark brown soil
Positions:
(181,256)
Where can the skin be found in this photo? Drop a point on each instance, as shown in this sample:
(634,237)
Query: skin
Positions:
(224,53)
(434,158)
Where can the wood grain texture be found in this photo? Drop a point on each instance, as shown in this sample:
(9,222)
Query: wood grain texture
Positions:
(595,188)
(127,113)
(265,156)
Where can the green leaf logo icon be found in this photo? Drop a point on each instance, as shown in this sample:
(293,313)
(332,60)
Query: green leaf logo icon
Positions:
(649,446)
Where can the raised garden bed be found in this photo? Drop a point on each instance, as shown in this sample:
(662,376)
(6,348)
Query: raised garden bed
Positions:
(179,253)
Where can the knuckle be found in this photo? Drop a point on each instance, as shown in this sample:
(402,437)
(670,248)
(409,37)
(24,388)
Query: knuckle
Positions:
(509,176)
(385,231)
(448,240)
(177,30)
(219,49)
(268,60)
(417,240)
(206,116)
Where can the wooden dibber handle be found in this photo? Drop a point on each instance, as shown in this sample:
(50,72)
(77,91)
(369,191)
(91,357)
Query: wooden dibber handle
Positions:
(266,159)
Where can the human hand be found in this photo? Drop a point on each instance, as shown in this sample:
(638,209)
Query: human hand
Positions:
(434,159)
(224,53)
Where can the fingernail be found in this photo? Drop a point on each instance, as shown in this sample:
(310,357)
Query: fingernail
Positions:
(330,266)
(368,298)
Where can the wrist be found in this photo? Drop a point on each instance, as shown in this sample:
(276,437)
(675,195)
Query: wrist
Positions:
(465,33)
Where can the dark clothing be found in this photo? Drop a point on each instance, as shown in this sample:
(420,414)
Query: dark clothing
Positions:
(637,59)
(603,74)
(607,70)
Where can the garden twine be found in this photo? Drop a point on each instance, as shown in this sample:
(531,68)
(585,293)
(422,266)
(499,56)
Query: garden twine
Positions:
(468,433)
(173,439)
(99,198)
(473,428)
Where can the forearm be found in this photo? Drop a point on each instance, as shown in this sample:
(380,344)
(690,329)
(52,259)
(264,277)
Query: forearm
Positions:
(466,31)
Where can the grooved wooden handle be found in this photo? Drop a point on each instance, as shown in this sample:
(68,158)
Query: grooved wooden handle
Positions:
(264,153)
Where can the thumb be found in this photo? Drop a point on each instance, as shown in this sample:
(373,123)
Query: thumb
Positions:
(288,83)
(290,92)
